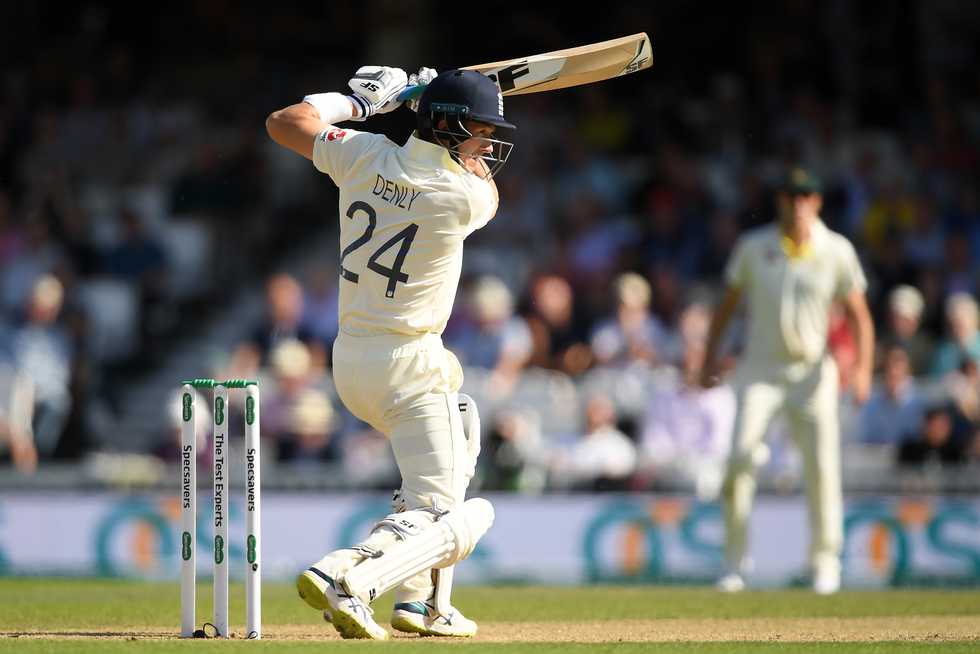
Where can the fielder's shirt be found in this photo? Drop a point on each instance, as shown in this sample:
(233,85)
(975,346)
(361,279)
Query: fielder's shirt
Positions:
(790,291)
(404,213)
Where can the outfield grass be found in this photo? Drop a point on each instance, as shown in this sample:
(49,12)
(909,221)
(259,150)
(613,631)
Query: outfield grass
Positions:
(80,615)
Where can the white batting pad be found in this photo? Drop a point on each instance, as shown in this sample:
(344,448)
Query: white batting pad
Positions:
(471,428)
(421,546)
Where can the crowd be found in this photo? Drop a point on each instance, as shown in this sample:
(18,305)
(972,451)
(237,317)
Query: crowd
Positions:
(127,213)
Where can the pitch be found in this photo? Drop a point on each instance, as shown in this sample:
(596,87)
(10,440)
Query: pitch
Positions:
(87,615)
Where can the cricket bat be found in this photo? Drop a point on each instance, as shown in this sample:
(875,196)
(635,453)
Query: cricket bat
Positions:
(563,68)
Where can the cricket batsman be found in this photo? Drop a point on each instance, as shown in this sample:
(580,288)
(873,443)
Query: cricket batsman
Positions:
(405,211)
(790,273)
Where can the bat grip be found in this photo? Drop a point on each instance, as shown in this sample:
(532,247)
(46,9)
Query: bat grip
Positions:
(411,92)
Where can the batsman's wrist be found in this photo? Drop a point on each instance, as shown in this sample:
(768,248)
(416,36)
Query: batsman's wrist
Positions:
(333,107)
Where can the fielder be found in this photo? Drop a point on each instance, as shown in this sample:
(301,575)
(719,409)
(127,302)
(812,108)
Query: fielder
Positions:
(790,272)
(404,214)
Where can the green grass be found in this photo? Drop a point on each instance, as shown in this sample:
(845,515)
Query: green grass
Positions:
(123,609)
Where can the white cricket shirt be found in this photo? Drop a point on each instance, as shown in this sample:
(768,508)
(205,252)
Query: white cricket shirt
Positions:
(404,212)
(789,298)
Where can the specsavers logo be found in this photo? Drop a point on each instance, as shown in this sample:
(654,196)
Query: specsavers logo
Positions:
(251,553)
(219,410)
(249,410)
(186,546)
(219,550)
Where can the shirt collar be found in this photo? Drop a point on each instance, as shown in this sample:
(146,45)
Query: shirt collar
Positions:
(806,249)
(430,154)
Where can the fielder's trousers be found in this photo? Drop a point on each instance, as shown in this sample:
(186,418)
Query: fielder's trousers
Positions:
(807,394)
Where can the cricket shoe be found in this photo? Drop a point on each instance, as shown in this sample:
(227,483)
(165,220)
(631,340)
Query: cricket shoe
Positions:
(421,618)
(826,582)
(731,583)
(350,616)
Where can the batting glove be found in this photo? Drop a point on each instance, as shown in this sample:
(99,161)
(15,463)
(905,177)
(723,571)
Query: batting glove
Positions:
(376,90)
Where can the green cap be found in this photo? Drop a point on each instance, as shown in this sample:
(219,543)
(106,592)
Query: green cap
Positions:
(800,181)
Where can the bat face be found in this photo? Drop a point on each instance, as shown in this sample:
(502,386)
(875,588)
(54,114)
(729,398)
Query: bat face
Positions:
(564,68)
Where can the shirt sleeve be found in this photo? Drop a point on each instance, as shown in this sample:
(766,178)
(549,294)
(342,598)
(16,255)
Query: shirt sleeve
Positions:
(483,205)
(339,151)
(850,276)
(737,273)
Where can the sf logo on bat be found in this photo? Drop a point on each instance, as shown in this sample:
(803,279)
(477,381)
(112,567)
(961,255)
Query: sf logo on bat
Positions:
(506,77)
(634,66)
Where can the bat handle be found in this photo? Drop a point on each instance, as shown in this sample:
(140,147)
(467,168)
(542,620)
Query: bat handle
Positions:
(411,92)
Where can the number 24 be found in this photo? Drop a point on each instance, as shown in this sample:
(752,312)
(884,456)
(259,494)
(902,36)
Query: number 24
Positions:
(394,274)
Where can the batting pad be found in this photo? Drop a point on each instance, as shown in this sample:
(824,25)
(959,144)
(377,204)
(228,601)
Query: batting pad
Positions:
(443,577)
(449,539)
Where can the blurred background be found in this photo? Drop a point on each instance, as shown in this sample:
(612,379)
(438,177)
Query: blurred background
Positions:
(150,231)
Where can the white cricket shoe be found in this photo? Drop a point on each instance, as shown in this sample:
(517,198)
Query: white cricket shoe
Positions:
(421,618)
(350,616)
(826,582)
(731,583)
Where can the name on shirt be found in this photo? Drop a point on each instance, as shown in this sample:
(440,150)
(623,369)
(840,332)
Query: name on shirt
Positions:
(400,196)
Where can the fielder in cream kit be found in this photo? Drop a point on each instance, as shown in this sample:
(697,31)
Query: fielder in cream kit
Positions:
(405,211)
(790,272)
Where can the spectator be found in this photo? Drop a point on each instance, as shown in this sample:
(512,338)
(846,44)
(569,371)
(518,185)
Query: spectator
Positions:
(964,336)
(296,414)
(283,321)
(559,341)
(42,351)
(894,405)
(632,335)
(959,266)
(962,386)
(924,242)
(603,459)
(311,430)
(139,259)
(721,239)
(497,340)
(39,255)
(687,430)
(903,328)
(16,407)
(513,456)
(668,240)
(320,306)
(934,442)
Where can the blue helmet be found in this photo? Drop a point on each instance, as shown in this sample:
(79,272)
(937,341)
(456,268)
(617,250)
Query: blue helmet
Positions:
(459,95)
(468,93)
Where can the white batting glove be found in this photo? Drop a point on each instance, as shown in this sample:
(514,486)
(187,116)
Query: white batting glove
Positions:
(376,90)
(421,78)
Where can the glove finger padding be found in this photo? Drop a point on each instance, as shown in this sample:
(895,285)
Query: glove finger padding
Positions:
(421,78)
(377,87)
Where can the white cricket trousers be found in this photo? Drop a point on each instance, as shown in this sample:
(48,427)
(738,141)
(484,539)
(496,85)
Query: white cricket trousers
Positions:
(406,388)
(808,396)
